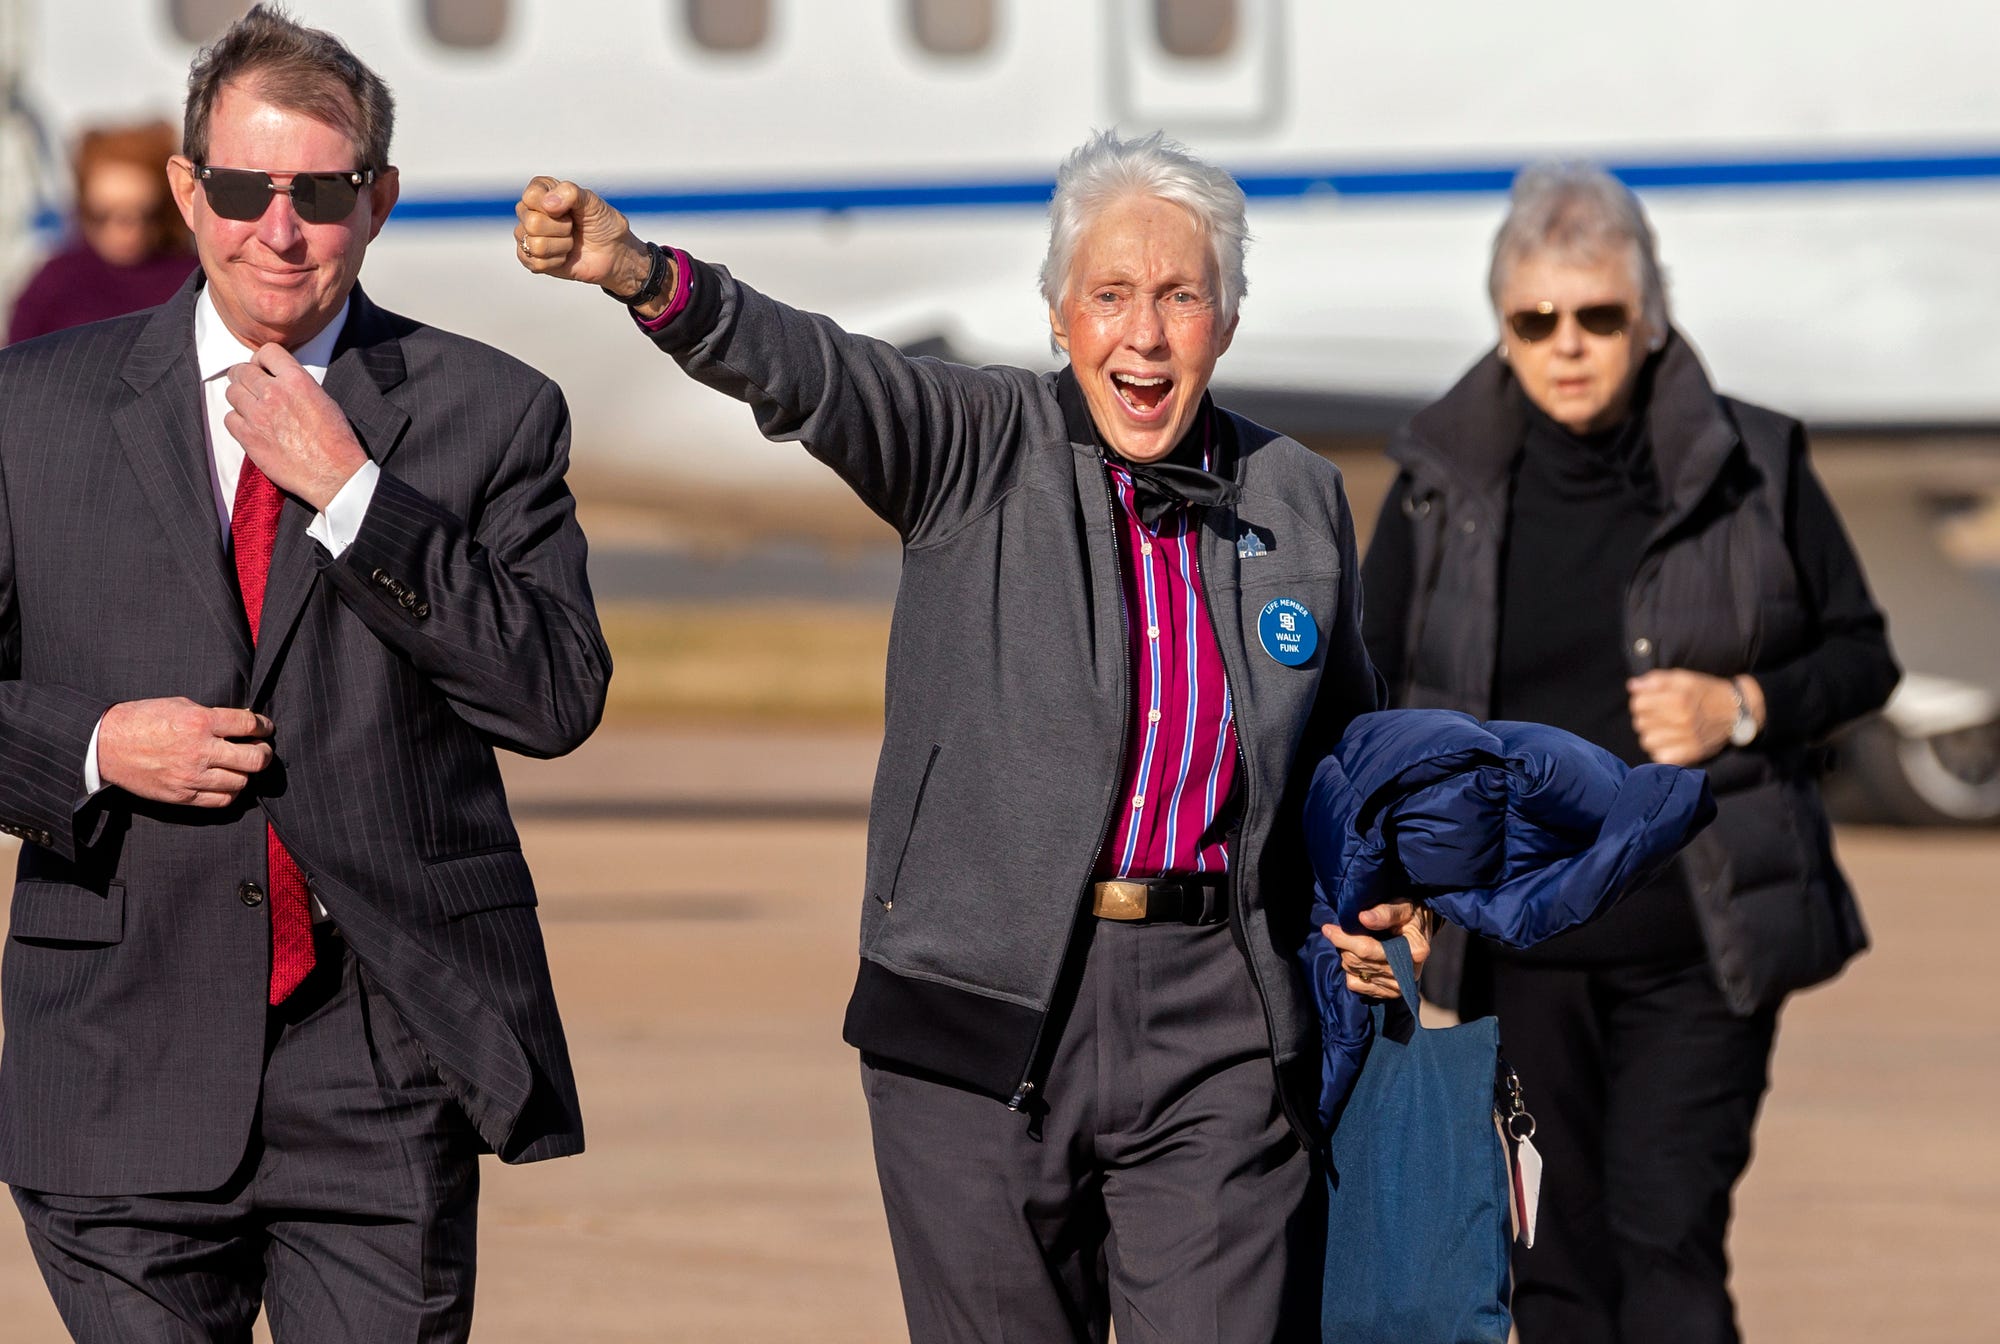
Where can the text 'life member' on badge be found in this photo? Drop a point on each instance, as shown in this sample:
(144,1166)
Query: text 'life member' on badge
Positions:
(1287,631)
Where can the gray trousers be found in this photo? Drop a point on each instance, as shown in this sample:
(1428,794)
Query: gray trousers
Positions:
(1157,1183)
(352,1219)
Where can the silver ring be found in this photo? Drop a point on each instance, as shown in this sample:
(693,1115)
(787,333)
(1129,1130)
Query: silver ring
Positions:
(524,247)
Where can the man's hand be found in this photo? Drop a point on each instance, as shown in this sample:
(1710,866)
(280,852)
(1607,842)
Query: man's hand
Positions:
(175,751)
(1361,954)
(574,234)
(294,432)
(1683,717)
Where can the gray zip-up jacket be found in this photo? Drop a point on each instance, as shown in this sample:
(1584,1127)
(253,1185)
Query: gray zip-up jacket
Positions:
(1008,691)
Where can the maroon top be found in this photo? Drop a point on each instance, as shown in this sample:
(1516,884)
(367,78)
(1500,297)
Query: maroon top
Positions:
(1180,755)
(76,286)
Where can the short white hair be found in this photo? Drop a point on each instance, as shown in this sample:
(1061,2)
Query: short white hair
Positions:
(1104,170)
(1578,212)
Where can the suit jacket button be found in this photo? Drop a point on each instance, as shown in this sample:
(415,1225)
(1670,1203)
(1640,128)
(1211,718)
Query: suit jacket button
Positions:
(421,610)
(44,839)
(250,893)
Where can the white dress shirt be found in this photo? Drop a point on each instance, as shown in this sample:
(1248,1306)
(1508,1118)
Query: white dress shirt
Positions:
(216,352)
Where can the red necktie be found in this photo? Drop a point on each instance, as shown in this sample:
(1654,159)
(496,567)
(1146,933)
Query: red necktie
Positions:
(253,531)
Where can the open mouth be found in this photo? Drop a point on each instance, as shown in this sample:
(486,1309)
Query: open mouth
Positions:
(1143,396)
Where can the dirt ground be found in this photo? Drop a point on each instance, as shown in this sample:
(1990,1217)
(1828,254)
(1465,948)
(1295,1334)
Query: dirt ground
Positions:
(700,891)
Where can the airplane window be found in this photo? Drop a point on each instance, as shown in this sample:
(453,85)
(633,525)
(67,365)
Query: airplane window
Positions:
(1196,29)
(953,27)
(729,25)
(466,23)
(203,20)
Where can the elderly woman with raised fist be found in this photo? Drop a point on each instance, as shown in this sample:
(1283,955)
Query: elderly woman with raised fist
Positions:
(1129,625)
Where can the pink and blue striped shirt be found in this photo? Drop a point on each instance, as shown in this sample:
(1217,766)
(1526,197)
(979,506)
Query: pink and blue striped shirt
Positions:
(1180,755)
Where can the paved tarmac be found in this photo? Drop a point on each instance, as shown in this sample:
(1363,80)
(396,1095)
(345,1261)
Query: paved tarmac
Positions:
(700,891)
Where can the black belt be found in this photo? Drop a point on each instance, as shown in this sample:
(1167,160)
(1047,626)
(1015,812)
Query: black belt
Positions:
(1189,898)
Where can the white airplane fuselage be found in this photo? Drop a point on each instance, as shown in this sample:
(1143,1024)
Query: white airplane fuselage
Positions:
(1823,179)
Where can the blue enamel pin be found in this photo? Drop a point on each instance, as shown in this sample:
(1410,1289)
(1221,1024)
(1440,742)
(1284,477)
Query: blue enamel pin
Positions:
(1287,631)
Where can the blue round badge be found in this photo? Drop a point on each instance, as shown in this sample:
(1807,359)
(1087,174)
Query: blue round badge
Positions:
(1288,632)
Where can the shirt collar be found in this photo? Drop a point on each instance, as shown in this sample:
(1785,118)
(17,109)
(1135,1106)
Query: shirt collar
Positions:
(216,350)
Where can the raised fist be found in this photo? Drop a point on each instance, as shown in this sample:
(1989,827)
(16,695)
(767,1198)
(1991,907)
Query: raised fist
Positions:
(574,234)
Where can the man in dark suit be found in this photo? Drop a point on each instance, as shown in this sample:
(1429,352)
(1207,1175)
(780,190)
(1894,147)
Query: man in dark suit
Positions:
(273,977)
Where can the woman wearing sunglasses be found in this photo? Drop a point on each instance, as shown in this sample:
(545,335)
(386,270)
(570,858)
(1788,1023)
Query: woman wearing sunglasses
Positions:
(131,249)
(1585,534)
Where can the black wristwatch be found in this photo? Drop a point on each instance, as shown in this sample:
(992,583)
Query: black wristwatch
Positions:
(656,280)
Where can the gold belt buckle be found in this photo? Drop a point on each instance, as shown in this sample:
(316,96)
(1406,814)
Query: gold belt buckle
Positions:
(1118,900)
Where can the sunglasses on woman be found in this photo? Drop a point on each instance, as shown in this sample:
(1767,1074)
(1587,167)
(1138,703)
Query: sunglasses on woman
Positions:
(244,194)
(1539,322)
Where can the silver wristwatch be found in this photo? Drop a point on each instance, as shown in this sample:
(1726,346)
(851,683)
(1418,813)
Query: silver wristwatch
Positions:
(1744,731)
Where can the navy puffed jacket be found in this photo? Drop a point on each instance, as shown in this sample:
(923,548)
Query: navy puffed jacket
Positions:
(1516,831)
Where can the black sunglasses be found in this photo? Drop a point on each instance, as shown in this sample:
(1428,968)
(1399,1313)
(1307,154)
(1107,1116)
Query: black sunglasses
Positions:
(245,193)
(1599,319)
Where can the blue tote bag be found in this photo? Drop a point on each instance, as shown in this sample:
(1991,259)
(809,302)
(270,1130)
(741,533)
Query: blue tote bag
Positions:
(1418,1220)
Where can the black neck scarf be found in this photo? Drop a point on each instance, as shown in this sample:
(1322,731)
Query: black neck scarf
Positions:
(1176,479)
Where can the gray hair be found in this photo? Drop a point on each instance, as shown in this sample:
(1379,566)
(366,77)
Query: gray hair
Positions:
(300,69)
(1578,212)
(1105,169)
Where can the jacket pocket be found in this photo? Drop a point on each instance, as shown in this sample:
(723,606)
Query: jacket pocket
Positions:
(466,884)
(1249,577)
(67,913)
(916,810)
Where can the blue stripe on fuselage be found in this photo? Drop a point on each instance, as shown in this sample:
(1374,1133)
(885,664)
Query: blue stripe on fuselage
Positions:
(1263,185)
(836,197)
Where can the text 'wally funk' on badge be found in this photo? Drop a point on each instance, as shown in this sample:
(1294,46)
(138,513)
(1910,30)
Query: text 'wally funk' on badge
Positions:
(1287,631)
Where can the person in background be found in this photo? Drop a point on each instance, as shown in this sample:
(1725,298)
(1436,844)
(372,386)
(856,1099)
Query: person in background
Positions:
(1127,630)
(1585,534)
(132,249)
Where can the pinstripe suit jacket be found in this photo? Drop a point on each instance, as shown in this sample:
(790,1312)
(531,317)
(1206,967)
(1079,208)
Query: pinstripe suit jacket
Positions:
(458,621)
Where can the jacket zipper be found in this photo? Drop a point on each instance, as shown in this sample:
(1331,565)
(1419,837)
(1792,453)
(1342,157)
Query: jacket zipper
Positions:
(1234,886)
(1026,1088)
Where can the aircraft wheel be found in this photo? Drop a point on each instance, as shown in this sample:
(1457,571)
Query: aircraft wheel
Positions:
(1943,779)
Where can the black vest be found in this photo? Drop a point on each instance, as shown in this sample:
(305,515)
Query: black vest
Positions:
(1715,591)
